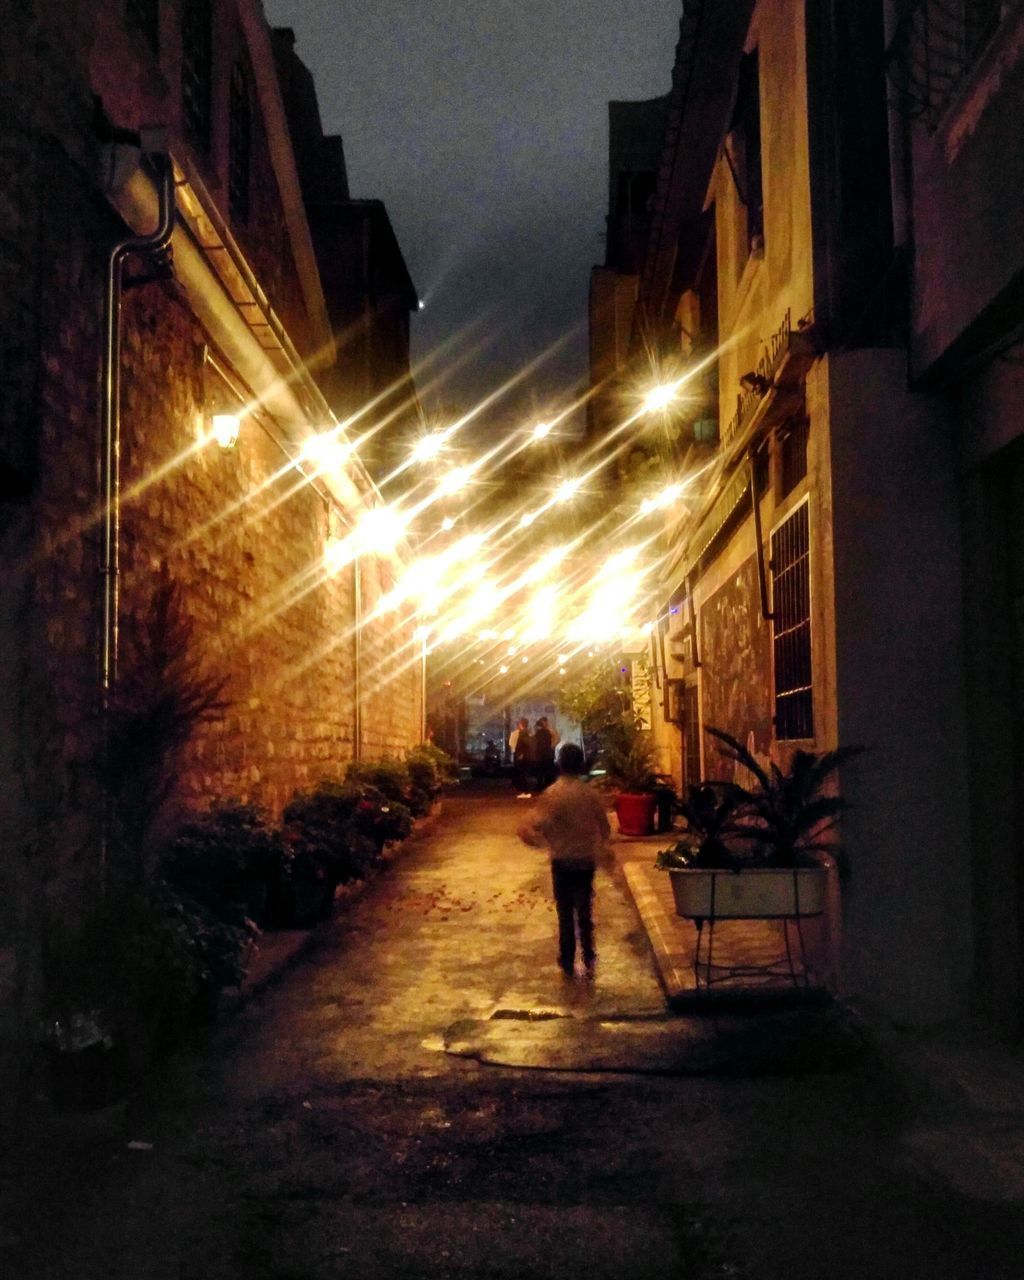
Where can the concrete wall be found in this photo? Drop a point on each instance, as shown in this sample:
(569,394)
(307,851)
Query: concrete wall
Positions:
(991,435)
(967,212)
(899,689)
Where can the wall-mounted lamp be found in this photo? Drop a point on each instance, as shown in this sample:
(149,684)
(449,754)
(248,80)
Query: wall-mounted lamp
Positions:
(224,428)
(756,382)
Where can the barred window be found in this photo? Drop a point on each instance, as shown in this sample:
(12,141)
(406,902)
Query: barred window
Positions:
(197,70)
(791,627)
(239,144)
(144,16)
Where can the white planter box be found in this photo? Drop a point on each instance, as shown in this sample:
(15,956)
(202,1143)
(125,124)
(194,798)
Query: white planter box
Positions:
(756,893)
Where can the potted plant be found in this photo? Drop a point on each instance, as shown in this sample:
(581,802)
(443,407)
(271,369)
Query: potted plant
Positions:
(629,764)
(754,851)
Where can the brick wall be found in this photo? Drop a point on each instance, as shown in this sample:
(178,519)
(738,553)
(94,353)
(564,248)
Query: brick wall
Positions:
(239,532)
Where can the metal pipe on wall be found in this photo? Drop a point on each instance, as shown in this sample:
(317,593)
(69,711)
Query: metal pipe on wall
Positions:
(110,423)
(357,660)
(110,462)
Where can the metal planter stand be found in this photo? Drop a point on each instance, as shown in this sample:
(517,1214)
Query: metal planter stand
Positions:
(804,899)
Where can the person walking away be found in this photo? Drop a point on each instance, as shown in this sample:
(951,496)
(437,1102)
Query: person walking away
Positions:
(543,754)
(521,745)
(570,819)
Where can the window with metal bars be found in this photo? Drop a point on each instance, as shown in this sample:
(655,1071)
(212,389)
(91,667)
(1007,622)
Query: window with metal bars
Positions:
(791,627)
(239,144)
(934,47)
(197,70)
(144,16)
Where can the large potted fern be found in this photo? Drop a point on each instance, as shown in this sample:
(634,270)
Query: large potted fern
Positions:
(755,852)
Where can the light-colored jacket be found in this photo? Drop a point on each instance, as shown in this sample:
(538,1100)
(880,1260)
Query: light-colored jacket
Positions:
(571,820)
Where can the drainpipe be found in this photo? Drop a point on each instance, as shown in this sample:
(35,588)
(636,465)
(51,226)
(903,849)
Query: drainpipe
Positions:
(110,444)
(423,689)
(357,660)
(898,144)
(755,504)
(110,427)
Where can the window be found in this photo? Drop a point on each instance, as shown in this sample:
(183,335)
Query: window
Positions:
(144,16)
(793,455)
(705,431)
(934,47)
(197,70)
(239,144)
(791,627)
(743,148)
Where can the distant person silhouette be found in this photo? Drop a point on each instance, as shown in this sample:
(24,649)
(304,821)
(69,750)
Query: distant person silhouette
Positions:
(543,754)
(521,745)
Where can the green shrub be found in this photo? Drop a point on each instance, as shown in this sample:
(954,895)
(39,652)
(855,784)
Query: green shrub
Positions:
(423,775)
(225,861)
(386,808)
(389,776)
(326,834)
(445,768)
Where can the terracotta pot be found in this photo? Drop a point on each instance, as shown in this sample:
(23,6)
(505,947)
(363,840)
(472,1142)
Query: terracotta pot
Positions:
(635,813)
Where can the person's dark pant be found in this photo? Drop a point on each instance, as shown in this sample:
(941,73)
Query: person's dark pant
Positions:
(546,773)
(521,772)
(574,895)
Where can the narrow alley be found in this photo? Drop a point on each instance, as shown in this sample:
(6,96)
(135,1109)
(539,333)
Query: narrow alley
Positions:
(325,1132)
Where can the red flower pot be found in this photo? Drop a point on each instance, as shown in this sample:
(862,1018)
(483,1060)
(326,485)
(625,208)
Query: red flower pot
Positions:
(635,813)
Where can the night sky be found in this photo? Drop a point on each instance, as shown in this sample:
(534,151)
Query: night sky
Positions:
(483,125)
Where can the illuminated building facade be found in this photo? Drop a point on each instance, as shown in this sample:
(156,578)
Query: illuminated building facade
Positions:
(840,228)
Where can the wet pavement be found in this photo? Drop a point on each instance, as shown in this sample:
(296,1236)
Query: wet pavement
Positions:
(420,1093)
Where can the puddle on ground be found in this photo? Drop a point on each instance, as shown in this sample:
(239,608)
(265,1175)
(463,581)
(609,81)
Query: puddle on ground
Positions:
(528,1015)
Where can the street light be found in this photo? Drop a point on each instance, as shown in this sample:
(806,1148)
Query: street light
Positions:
(660,397)
(381,529)
(225,428)
(326,451)
(427,448)
(455,480)
(542,430)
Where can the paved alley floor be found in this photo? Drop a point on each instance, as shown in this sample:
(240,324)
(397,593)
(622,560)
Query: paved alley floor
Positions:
(423,1095)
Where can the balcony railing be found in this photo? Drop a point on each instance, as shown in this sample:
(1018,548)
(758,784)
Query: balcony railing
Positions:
(774,353)
(934,46)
